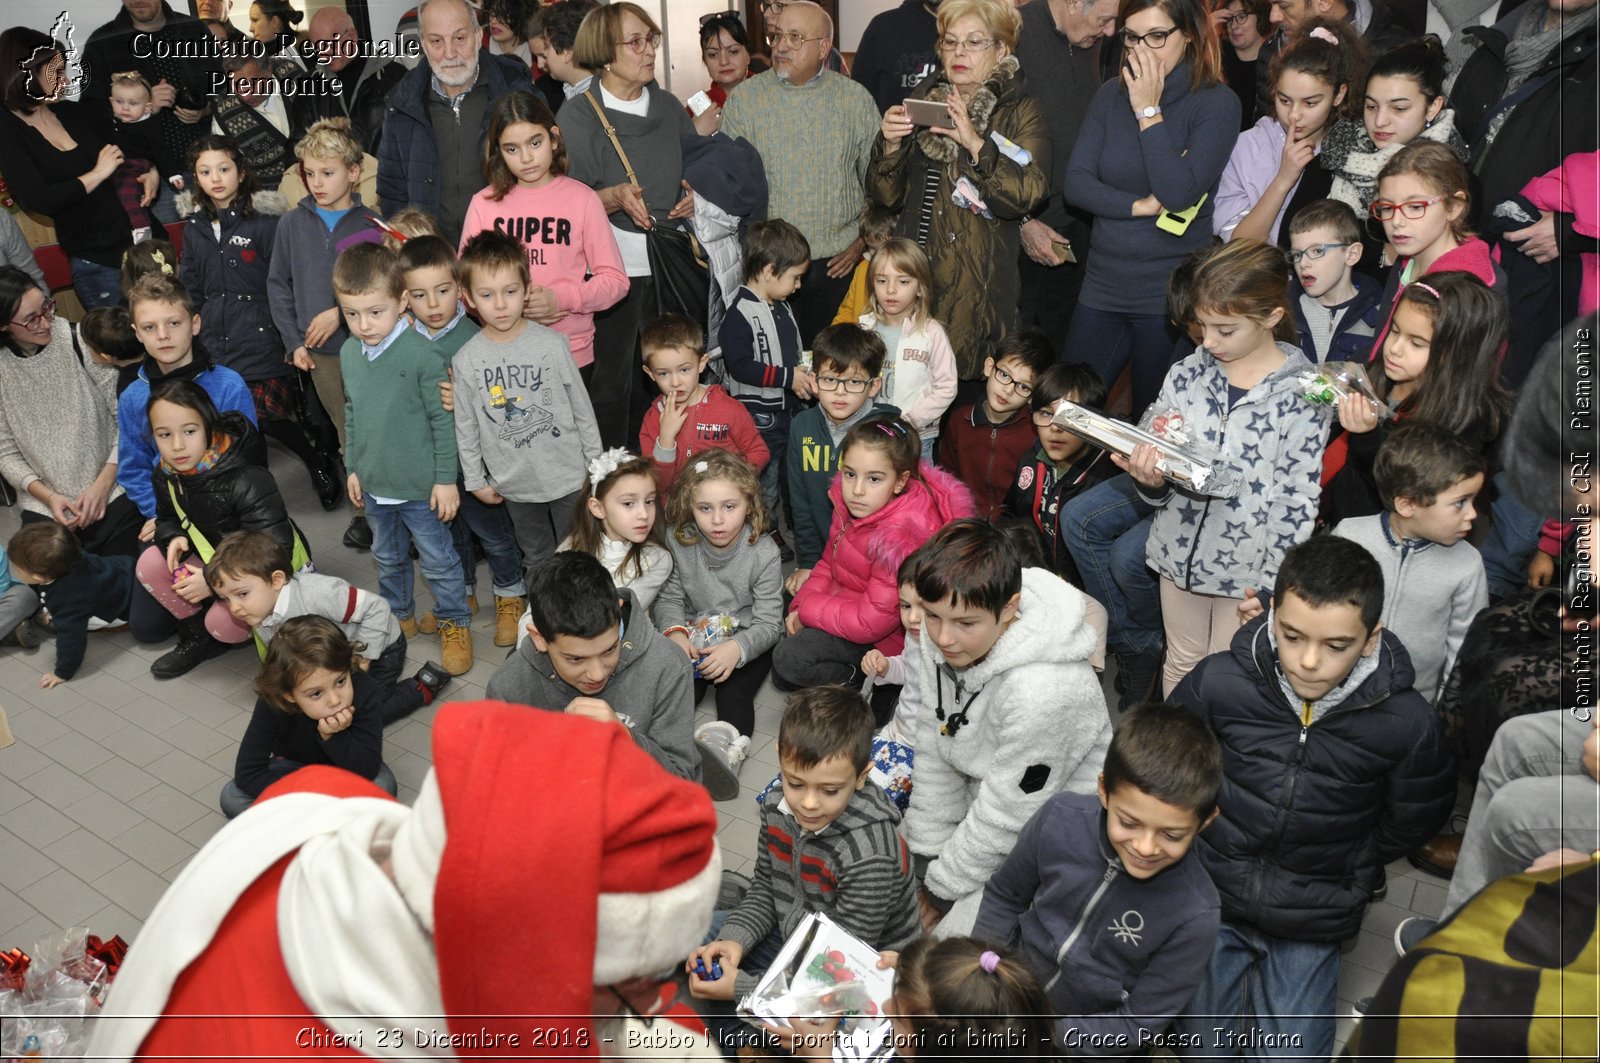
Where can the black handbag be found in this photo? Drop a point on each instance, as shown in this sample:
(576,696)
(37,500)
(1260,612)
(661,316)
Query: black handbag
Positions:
(678,265)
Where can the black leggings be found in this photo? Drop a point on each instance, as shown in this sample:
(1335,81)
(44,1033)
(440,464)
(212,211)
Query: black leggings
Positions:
(294,437)
(736,695)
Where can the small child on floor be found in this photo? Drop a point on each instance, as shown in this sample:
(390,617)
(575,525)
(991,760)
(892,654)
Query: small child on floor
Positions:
(73,585)
(108,338)
(315,705)
(252,575)
(858,871)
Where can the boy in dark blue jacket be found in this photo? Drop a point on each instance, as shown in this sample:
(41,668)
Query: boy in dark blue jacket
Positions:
(1114,919)
(1333,765)
(1335,308)
(73,585)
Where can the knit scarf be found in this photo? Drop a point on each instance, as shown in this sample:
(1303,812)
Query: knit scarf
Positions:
(980,109)
(1355,160)
(207,460)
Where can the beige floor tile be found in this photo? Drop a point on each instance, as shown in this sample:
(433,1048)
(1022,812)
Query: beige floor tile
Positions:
(64,897)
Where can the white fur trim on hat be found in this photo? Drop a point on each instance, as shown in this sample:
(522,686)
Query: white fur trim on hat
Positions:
(645,933)
(417,849)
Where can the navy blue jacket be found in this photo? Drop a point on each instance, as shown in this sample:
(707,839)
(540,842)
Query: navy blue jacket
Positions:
(95,586)
(408,158)
(277,743)
(227,275)
(1119,956)
(1310,814)
(1353,335)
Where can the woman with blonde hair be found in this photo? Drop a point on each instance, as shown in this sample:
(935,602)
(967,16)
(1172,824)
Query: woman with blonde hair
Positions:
(964,186)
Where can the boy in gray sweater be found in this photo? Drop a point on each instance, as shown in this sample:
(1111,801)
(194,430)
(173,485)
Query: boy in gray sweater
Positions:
(1433,579)
(825,819)
(593,652)
(253,575)
(525,429)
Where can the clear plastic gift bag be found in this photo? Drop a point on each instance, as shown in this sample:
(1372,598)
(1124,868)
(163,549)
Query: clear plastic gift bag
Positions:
(823,969)
(711,629)
(1328,383)
(64,986)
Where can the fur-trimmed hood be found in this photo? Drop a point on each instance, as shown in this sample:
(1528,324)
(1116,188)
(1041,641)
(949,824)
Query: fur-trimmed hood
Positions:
(1005,81)
(270,203)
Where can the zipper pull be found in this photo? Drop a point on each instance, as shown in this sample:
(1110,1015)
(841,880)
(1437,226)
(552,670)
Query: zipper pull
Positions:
(1111,871)
(1302,736)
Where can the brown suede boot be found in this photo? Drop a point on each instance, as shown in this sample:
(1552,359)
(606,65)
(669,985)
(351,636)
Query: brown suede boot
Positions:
(507,611)
(456,642)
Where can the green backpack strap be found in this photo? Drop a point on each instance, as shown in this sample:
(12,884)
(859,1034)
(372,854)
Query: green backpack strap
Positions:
(197,539)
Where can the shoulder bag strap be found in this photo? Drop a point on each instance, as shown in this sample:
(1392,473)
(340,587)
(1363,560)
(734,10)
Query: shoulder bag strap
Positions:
(605,124)
(201,544)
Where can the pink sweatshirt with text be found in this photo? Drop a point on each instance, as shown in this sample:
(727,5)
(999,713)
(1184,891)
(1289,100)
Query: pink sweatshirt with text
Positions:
(570,250)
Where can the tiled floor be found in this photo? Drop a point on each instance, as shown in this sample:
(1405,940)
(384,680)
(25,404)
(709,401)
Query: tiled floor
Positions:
(112,783)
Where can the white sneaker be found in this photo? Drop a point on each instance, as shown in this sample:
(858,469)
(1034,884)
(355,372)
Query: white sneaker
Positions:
(722,749)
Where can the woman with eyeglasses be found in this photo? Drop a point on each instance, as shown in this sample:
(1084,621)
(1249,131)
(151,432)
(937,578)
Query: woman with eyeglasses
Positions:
(58,422)
(1243,27)
(620,42)
(1146,165)
(725,49)
(964,187)
(58,161)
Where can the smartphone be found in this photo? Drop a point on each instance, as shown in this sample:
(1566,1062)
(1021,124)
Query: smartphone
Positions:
(699,104)
(1177,222)
(928,113)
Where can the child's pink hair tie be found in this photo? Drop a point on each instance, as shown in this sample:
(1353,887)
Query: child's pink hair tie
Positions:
(1322,33)
(1430,289)
(989,961)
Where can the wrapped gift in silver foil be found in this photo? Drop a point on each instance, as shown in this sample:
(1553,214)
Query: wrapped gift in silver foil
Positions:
(1119,437)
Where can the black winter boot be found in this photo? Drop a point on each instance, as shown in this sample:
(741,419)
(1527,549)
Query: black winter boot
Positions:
(195,646)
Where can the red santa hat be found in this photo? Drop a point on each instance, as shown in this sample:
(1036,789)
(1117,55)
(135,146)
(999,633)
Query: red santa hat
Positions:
(567,858)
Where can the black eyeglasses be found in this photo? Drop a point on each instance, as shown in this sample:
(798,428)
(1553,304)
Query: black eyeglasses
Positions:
(851,385)
(1153,39)
(1008,381)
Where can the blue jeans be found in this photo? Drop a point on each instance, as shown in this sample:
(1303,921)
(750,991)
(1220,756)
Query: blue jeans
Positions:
(1513,537)
(774,430)
(1105,529)
(165,208)
(95,284)
(1263,997)
(1106,341)
(492,526)
(440,565)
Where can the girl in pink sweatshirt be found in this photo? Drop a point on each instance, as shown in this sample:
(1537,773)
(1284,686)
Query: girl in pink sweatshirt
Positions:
(575,269)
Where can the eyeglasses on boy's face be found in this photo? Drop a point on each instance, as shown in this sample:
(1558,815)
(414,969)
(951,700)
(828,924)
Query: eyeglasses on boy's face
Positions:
(1314,253)
(39,317)
(1383,209)
(1006,380)
(852,385)
(639,45)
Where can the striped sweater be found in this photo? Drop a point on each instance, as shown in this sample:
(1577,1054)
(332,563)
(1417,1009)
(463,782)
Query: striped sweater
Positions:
(856,870)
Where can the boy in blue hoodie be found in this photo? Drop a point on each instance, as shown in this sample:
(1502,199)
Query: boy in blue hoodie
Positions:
(1335,308)
(1332,766)
(1100,896)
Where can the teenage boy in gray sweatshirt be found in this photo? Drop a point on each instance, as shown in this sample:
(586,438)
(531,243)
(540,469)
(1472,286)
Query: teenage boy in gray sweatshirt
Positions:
(593,652)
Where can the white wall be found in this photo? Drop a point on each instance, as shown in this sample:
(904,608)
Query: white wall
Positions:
(853,18)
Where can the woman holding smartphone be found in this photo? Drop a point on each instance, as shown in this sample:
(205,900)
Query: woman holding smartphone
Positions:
(1146,165)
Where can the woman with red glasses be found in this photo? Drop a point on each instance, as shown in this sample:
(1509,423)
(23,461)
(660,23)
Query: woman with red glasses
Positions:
(58,422)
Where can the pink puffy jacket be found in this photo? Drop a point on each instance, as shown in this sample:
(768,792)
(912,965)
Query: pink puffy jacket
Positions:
(852,591)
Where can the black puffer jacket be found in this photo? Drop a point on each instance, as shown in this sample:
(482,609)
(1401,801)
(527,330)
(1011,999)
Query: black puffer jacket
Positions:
(232,495)
(1309,815)
(226,273)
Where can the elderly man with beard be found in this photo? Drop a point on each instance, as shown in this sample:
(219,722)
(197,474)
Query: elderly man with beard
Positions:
(432,148)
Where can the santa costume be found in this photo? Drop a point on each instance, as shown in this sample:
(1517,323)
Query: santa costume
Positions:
(546,856)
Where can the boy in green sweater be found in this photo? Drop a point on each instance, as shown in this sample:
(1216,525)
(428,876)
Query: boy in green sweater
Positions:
(391,381)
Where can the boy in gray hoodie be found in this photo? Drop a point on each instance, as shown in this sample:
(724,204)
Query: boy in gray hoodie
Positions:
(593,652)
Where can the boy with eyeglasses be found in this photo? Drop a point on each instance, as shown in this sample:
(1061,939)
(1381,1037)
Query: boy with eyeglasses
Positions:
(1335,307)
(848,361)
(984,440)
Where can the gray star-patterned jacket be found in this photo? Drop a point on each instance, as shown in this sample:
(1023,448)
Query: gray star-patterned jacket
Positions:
(1270,449)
